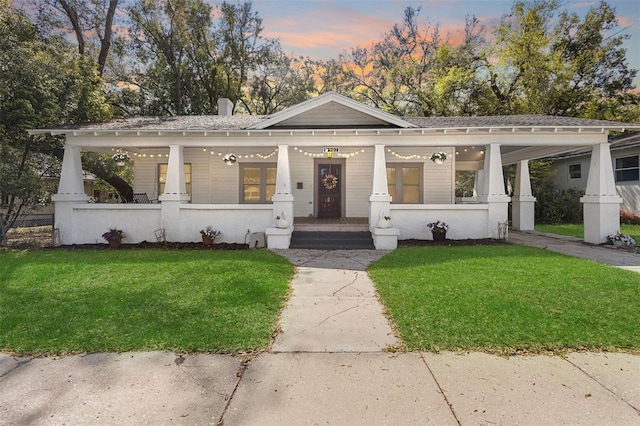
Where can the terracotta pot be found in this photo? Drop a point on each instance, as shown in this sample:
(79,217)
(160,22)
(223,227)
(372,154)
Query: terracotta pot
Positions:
(114,243)
(207,241)
(439,236)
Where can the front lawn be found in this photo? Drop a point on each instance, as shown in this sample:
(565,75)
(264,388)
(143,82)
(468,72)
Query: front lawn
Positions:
(577,230)
(70,301)
(505,298)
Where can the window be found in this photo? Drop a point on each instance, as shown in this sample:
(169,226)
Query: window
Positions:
(575,171)
(162,177)
(627,169)
(405,183)
(258,182)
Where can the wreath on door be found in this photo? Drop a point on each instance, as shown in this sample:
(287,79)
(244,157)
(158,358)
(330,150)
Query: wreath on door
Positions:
(329,181)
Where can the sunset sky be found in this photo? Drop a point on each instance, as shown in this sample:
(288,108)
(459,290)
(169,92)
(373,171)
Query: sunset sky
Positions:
(321,29)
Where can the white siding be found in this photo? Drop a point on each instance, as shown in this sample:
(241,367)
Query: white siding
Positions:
(359,182)
(214,182)
(331,114)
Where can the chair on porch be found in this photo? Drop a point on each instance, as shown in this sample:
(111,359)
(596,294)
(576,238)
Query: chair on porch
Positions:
(141,198)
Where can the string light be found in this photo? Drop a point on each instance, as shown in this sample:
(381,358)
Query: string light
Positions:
(324,154)
(407,157)
(213,152)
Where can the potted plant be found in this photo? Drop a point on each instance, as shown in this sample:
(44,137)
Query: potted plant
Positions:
(438,230)
(114,237)
(281,221)
(438,157)
(620,240)
(121,158)
(209,235)
(384,221)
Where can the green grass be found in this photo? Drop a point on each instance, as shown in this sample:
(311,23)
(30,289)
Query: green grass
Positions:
(577,230)
(60,301)
(507,298)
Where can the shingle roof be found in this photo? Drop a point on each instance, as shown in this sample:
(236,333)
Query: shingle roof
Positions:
(531,120)
(193,122)
(245,122)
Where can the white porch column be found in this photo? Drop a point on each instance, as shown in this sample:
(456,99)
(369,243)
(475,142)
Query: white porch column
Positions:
(523,199)
(175,193)
(477,183)
(71,186)
(491,190)
(380,204)
(280,238)
(70,191)
(175,188)
(601,201)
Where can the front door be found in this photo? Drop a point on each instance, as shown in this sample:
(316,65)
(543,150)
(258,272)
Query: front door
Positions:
(329,190)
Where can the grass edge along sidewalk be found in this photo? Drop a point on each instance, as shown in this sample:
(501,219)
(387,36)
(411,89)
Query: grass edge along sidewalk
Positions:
(507,299)
(78,301)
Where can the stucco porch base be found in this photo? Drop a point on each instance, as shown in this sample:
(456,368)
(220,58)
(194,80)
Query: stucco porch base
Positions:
(385,238)
(278,238)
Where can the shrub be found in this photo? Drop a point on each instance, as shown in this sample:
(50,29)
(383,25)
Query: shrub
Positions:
(556,205)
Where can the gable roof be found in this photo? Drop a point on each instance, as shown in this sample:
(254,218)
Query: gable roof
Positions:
(331,110)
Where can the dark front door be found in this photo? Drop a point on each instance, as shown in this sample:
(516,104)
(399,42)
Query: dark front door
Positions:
(329,193)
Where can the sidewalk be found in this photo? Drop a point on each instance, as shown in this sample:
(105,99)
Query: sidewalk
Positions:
(328,365)
(571,246)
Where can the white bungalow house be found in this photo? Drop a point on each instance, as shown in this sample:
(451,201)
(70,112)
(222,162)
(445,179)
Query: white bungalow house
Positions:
(571,169)
(329,157)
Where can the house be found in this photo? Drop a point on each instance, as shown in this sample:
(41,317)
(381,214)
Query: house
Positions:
(571,170)
(328,157)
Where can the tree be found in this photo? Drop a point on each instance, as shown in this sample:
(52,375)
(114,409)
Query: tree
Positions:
(281,82)
(36,89)
(414,70)
(551,62)
(91,23)
(188,61)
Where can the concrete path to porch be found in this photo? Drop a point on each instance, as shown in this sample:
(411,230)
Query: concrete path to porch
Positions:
(571,246)
(315,374)
(333,306)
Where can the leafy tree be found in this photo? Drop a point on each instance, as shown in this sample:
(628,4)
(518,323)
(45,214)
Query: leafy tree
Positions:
(282,82)
(33,92)
(551,62)
(188,60)
(91,23)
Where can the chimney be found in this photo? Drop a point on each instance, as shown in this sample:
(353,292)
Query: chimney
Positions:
(225,107)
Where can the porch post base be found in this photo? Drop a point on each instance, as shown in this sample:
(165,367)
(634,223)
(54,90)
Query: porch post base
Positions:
(278,238)
(524,213)
(601,217)
(385,238)
(378,204)
(498,214)
(283,204)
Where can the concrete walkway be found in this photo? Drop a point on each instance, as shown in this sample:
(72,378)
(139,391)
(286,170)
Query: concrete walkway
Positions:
(571,246)
(328,365)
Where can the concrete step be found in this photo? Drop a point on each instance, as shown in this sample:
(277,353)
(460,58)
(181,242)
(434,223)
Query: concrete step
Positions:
(332,240)
(333,227)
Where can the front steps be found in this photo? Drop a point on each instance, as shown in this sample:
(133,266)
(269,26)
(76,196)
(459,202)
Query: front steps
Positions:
(345,240)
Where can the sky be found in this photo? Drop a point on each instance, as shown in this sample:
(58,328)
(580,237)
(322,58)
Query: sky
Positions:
(322,29)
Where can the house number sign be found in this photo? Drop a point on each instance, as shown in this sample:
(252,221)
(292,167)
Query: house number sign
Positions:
(331,149)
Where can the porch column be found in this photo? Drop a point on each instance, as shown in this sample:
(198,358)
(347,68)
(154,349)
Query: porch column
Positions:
(491,191)
(70,191)
(380,204)
(280,238)
(175,188)
(601,202)
(477,183)
(523,199)
(71,186)
(175,194)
